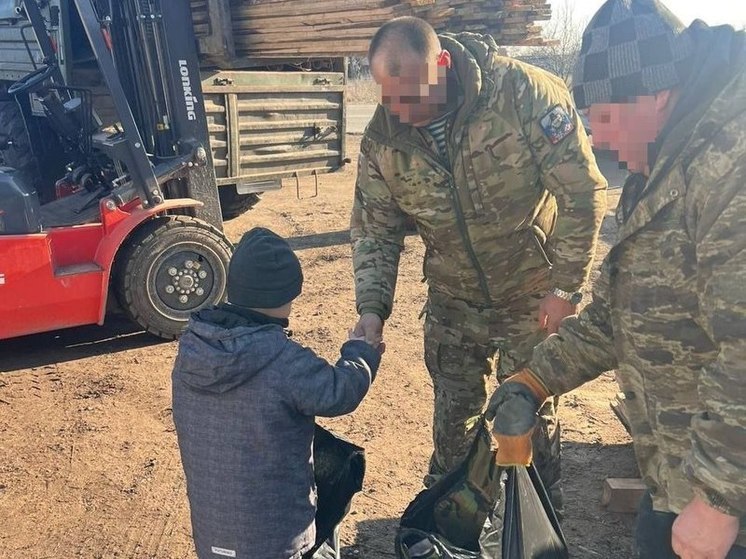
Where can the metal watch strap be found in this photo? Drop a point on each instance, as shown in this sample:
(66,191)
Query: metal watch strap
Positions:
(573,297)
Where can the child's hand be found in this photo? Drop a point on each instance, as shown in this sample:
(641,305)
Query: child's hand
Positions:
(379,344)
(351,336)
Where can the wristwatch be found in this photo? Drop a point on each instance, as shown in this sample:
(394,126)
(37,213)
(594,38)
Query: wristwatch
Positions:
(571,297)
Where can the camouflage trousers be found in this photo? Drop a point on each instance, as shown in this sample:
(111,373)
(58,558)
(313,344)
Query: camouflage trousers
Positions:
(468,350)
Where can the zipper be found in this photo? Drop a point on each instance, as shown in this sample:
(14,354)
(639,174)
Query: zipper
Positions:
(467,241)
(465,230)
(460,219)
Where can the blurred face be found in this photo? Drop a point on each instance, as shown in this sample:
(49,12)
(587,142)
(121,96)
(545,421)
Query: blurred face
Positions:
(628,128)
(418,94)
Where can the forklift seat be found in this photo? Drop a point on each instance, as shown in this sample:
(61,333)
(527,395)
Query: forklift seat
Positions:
(77,209)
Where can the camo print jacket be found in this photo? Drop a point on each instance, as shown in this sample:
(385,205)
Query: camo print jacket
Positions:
(670,310)
(521,193)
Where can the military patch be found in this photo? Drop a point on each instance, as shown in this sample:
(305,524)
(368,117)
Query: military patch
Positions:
(557,124)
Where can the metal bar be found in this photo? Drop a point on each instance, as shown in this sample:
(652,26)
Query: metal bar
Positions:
(151,68)
(42,37)
(276,88)
(343,124)
(141,170)
(167,112)
(233,132)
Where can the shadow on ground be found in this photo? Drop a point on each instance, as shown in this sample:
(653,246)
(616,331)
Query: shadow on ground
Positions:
(591,531)
(331,238)
(117,334)
(320,240)
(375,540)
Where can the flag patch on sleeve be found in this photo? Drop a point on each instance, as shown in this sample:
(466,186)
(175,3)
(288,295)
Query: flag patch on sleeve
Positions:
(557,124)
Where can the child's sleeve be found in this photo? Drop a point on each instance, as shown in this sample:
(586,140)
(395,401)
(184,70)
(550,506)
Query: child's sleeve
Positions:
(316,387)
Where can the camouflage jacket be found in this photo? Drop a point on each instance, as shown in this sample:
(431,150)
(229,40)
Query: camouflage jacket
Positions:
(669,312)
(521,192)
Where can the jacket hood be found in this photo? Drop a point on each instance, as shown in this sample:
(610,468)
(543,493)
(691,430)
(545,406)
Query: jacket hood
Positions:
(221,350)
(711,96)
(473,62)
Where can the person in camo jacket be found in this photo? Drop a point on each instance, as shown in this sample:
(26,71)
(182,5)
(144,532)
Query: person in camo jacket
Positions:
(669,312)
(489,158)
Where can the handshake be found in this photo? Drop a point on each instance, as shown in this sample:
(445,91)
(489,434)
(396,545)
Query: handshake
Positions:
(369,328)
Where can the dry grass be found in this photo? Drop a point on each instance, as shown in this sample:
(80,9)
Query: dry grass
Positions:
(362,91)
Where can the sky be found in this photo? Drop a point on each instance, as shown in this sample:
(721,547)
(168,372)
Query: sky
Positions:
(713,12)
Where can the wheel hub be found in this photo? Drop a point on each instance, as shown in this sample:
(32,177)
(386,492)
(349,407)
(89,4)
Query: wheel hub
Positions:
(186,282)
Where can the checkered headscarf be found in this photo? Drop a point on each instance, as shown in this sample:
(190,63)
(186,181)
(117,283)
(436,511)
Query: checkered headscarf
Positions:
(630,48)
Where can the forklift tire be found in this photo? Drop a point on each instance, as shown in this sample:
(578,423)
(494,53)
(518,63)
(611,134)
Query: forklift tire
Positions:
(170,267)
(233,204)
(18,154)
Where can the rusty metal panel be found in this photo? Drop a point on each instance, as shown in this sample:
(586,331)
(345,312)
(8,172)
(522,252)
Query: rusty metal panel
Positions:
(217,126)
(268,125)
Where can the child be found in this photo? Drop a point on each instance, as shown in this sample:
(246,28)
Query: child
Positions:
(244,401)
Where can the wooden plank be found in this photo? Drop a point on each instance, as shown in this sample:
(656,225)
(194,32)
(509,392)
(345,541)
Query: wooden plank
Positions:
(316,48)
(346,16)
(282,28)
(216,39)
(622,494)
(281,37)
(294,7)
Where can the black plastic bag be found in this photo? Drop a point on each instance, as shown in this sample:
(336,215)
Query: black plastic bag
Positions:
(482,511)
(339,468)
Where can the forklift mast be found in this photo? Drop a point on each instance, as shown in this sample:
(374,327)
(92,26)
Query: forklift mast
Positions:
(147,55)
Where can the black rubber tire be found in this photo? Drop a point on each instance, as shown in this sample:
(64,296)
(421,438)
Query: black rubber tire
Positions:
(143,273)
(19,154)
(233,204)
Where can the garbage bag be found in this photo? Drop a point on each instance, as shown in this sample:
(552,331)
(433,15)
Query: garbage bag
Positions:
(339,468)
(482,511)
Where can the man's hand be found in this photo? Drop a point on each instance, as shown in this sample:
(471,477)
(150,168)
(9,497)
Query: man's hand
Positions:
(513,407)
(701,532)
(369,326)
(380,346)
(552,310)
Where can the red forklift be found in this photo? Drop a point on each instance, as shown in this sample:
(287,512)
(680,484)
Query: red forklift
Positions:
(129,216)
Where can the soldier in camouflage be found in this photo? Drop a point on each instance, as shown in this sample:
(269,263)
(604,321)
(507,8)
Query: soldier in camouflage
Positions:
(669,312)
(490,159)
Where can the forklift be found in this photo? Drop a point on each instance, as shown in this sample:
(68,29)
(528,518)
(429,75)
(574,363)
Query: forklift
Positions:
(129,215)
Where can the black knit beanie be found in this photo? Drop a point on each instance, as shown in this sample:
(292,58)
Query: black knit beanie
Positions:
(264,272)
(630,48)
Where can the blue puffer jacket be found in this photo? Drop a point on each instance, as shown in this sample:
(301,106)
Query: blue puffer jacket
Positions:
(244,401)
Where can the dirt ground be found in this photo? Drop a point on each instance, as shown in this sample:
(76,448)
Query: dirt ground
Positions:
(89,464)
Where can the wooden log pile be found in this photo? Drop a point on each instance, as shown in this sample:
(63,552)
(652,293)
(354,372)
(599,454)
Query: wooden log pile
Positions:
(286,28)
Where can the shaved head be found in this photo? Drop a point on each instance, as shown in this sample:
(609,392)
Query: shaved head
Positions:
(410,67)
(404,38)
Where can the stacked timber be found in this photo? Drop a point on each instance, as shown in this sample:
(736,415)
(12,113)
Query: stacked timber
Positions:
(289,28)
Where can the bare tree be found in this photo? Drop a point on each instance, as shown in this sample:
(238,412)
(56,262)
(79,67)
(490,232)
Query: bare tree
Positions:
(565,31)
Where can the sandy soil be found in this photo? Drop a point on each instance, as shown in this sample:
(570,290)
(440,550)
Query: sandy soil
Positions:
(90,466)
